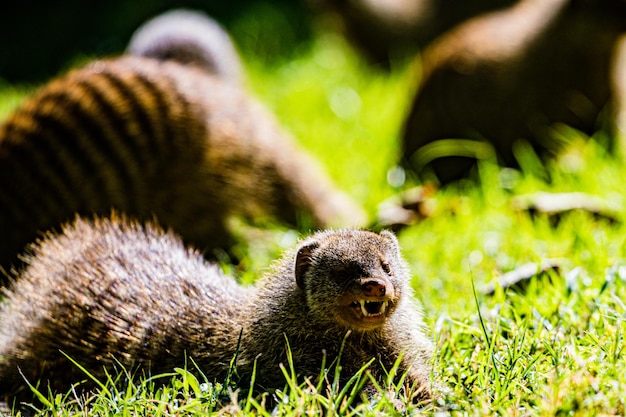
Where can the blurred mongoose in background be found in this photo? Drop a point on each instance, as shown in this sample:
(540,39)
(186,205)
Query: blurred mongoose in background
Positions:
(514,74)
(154,138)
(110,293)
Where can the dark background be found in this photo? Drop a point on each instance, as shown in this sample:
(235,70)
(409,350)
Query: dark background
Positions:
(39,38)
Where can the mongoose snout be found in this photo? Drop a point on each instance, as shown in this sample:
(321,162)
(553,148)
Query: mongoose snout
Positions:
(370,305)
(374,288)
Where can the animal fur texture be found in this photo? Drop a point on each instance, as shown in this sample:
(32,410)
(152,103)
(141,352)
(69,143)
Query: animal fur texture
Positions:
(111,293)
(154,138)
(519,73)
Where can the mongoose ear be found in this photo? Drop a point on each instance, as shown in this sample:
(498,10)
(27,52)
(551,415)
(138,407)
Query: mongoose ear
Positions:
(303,261)
(391,238)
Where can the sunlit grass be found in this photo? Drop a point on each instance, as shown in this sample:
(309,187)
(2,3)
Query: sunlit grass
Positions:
(10,97)
(556,348)
(344,112)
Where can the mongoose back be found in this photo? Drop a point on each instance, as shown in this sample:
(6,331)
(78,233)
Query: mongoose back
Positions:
(513,74)
(110,293)
(154,138)
(114,290)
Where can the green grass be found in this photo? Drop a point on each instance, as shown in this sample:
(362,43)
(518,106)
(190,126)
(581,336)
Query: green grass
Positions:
(555,349)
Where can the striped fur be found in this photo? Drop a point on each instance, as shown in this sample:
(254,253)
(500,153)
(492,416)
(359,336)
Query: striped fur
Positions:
(112,294)
(153,139)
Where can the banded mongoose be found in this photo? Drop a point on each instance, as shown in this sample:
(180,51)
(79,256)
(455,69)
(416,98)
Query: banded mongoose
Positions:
(513,74)
(155,138)
(110,292)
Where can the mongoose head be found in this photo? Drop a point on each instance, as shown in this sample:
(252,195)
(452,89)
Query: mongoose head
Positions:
(353,278)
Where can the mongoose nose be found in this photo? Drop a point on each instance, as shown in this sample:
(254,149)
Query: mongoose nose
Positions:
(374,288)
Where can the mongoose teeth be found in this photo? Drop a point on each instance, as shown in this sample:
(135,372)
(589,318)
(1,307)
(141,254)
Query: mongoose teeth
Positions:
(383,307)
(372,308)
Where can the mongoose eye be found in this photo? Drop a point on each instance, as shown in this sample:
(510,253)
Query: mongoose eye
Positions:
(386,268)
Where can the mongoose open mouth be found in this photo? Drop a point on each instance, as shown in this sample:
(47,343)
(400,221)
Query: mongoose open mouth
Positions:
(367,314)
(370,308)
